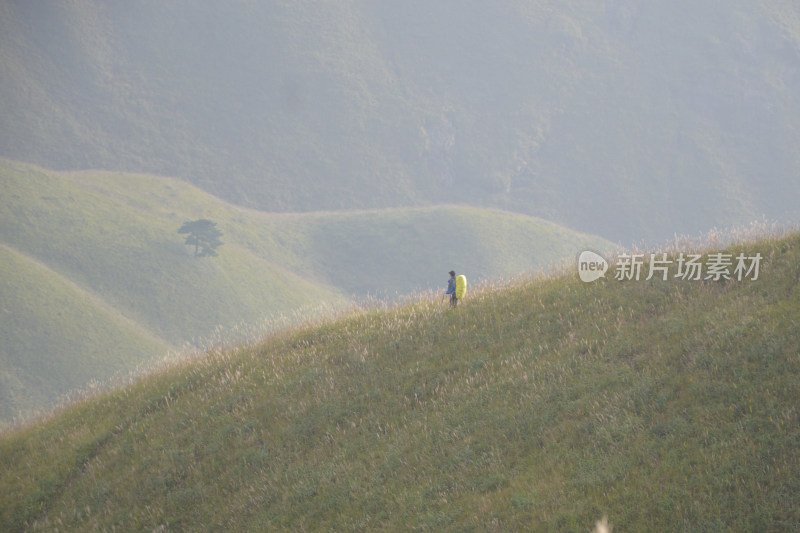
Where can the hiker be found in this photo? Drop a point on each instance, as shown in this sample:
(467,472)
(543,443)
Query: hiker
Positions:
(451,289)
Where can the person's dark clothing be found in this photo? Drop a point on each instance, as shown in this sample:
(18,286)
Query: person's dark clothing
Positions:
(451,290)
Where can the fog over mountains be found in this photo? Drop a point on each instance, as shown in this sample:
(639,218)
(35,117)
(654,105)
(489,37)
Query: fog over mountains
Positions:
(624,118)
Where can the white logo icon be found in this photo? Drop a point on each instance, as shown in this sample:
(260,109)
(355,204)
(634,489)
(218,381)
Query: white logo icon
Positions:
(591,266)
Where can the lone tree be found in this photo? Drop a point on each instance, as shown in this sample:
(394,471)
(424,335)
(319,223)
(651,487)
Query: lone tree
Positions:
(204,235)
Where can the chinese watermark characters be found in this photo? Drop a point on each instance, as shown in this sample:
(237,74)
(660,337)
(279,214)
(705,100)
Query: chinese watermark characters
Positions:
(716,266)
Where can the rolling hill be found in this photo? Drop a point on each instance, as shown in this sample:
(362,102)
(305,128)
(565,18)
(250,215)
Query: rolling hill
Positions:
(623,118)
(109,276)
(57,337)
(539,405)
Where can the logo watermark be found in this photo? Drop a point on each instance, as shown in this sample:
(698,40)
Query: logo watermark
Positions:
(692,267)
(591,266)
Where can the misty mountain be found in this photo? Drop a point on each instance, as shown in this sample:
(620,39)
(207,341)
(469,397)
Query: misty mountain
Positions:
(630,119)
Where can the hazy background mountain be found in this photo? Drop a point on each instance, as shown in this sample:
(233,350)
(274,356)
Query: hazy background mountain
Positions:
(630,119)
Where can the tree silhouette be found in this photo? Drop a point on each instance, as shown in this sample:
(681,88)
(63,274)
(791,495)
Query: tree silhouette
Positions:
(203,235)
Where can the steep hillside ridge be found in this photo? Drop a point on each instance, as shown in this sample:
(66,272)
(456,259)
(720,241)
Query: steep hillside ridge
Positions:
(542,404)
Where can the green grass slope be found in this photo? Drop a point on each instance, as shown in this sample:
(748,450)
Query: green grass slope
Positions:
(397,251)
(114,236)
(537,406)
(117,234)
(100,242)
(57,337)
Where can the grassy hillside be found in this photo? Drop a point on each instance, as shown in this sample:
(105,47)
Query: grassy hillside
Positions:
(108,241)
(540,405)
(627,119)
(397,251)
(116,236)
(56,337)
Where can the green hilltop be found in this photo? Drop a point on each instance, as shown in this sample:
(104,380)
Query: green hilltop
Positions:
(541,404)
(97,280)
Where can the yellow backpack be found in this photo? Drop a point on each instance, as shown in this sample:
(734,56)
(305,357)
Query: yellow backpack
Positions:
(461,286)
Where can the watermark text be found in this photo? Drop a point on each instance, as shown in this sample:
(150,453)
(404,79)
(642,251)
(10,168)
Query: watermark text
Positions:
(686,266)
